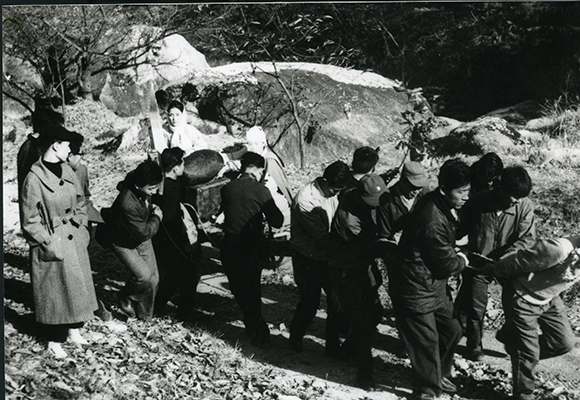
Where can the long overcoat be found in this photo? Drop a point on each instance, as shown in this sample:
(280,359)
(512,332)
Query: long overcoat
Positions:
(55,225)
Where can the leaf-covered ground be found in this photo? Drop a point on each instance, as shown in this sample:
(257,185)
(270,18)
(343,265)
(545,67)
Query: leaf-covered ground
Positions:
(168,359)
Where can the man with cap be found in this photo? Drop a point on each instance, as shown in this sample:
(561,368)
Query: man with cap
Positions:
(399,201)
(354,236)
(418,287)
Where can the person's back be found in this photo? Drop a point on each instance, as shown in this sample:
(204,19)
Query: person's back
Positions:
(243,201)
(244,252)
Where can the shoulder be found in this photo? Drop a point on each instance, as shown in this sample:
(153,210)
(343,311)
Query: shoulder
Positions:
(526,204)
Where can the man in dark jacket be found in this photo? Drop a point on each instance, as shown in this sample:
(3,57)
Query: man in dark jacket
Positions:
(397,204)
(498,222)
(245,250)
(177,258)
(134,220)
(421,299)
(354,233)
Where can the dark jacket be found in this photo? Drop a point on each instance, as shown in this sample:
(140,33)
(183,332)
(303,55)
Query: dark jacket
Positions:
(428,257)
(130,216)
(244,201)
(353,233)
(392,215)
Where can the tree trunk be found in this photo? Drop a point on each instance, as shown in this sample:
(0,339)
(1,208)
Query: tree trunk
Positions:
(85,86)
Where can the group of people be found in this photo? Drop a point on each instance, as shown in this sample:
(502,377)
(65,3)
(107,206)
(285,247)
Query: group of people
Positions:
(348,218)
(341,224)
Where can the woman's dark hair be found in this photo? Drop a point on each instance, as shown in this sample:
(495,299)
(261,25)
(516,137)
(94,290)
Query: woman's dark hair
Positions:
(251,159)
(485,169)
(337,174)
(454,174)
(516,182)
(147,173)
(175,104)
(171,157)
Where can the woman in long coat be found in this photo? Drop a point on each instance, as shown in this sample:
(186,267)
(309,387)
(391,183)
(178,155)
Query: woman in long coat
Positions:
(55,225)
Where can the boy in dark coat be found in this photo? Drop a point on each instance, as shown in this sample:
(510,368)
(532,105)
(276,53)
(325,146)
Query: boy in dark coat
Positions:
(177,257)
(134,220)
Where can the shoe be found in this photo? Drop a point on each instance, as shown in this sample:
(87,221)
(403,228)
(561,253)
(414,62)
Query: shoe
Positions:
(56,349)
(115,326)
(74,335)
(447,386)
(475,355)
(296,344)
(126,306)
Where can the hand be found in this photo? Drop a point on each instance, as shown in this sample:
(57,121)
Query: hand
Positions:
(157,211)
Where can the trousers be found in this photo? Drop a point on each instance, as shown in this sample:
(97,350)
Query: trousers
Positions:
(243,264)
(525,345)
(471,304)
(179,272)
(358,301)
(311,277)
(430,340)
(143,282)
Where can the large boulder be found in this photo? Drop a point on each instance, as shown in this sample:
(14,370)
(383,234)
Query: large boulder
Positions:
(341,109)
(486,134)
(126,91)
(518,114)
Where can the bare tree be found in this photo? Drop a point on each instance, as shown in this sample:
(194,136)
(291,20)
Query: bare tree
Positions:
(66,45)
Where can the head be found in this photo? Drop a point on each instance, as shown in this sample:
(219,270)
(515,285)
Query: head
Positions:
(413,179)
(172,161)
(174,112)
(256,140)
(43,117)
(514,184)
(147,177)
(455,182)
(253,164)
(336,177)
(370,189)
(55,142)
(75,156)
(485,172)
(364,160)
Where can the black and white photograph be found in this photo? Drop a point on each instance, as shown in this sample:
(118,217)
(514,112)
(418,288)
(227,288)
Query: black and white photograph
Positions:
(301,200)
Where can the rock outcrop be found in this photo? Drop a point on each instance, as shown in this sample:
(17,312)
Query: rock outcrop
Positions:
(478,137)
(340,109)
(126,91)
